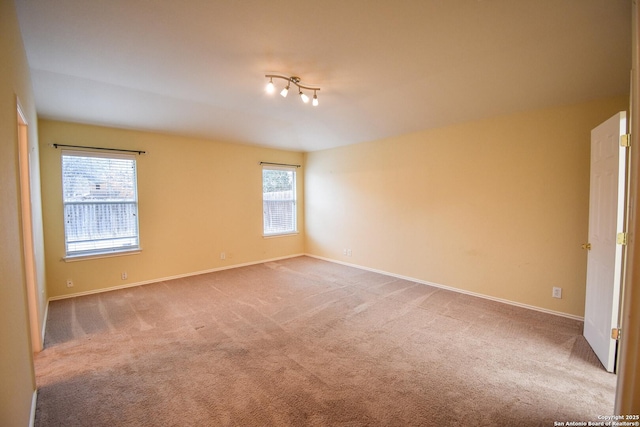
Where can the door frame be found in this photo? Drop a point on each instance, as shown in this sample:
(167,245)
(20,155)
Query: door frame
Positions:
(28,246)
(628,386)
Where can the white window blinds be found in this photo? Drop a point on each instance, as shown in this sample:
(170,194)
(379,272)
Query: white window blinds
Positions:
(100,200)
(279,200)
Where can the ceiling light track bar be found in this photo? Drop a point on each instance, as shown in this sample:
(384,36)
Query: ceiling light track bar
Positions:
(279,164)
(99,148)
(296,81)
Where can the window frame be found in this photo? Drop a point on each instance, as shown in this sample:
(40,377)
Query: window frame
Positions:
(113,250)
(294,201)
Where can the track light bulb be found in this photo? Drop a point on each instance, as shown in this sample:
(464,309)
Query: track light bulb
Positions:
(285,91)
(270,87)
(304,97)
(315,99)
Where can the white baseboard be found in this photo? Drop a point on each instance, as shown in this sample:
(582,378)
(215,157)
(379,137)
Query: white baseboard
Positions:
(32,416)
(374,270)
(162,279)
(449,288)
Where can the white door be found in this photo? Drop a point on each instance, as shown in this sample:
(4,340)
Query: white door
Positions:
(606,220)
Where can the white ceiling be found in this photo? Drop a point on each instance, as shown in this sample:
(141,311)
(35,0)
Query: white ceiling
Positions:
(196,67)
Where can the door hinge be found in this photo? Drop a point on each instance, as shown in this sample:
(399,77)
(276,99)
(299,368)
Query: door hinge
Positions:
(621,238)
(616,333)
(625,140)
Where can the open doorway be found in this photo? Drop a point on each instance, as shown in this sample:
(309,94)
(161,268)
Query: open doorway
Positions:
(27,228)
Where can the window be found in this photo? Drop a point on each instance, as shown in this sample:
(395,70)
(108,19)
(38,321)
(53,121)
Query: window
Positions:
(100,200)
(279,200)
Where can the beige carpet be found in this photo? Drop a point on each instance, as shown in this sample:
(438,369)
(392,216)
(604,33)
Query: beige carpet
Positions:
(304,342)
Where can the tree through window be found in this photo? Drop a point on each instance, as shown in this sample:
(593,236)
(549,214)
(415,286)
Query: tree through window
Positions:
(100,200)
(279,200)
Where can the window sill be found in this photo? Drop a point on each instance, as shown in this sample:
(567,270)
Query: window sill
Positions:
(74,258)
(271,236)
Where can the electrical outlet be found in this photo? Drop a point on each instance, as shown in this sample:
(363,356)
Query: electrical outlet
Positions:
(557,292)
(223,255)
(69,283)
(348,252)
(344,252)
(124,275)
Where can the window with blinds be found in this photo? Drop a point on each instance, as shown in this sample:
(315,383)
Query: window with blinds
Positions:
(279,200)
(100,200)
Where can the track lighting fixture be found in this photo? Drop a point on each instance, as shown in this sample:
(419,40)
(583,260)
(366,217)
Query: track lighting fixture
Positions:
(285,91)
(270,87)
(296,81)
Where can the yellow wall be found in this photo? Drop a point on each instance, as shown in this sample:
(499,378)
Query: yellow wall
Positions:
(197,198)
(17,379)
(497,207)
